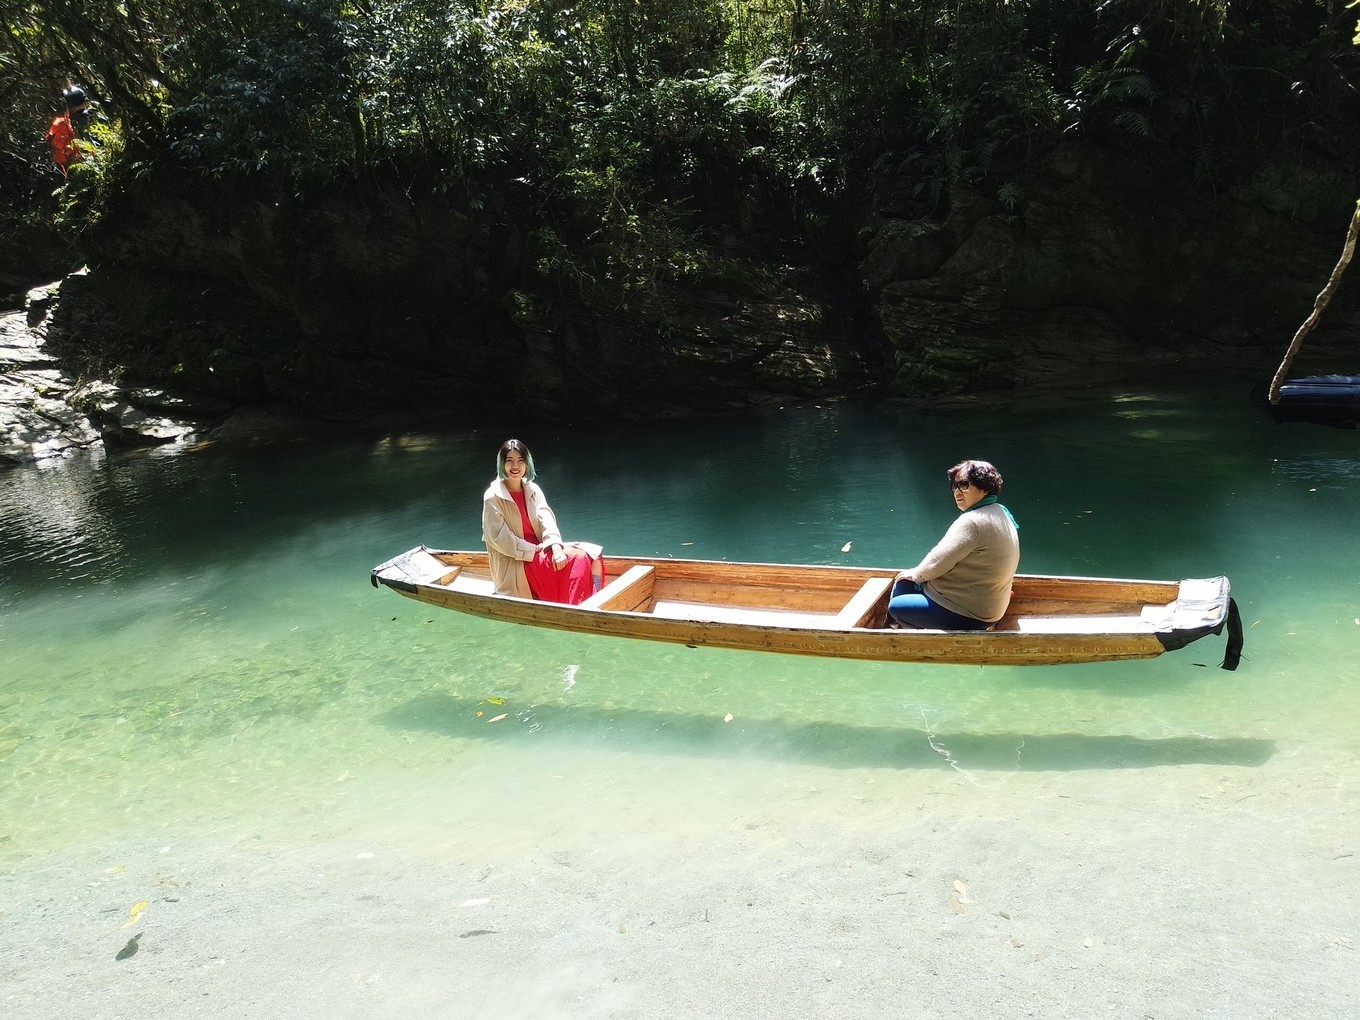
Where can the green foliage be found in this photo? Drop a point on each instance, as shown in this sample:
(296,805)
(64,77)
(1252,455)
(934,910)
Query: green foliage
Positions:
(82,198)
(1118,96)
(266,90)
(628,169)
(637,128)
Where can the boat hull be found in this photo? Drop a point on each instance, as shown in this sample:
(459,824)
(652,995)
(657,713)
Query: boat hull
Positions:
(836,612)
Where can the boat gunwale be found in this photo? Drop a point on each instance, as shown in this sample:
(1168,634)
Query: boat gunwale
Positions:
(1014,646)
(830,569)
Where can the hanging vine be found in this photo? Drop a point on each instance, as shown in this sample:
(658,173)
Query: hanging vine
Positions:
(1323,299)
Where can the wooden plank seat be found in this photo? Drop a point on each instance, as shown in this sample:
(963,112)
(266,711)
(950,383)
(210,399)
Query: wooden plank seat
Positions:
(865,603)
(628,591)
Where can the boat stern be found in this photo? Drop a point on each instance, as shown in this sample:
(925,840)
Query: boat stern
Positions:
(1202,606)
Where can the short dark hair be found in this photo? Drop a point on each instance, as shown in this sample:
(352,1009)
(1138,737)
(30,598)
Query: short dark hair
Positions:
(506,447)
(979,473)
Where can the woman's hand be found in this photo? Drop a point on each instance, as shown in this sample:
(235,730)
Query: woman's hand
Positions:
(559,555)
(905,575)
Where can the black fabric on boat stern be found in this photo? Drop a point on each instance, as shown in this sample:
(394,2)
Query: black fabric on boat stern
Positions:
(1232,651)
(1203,606)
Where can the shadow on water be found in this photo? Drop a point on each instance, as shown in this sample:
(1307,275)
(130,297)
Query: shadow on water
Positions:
(828,744)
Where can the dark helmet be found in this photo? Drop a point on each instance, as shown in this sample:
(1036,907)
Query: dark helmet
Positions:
(74,96)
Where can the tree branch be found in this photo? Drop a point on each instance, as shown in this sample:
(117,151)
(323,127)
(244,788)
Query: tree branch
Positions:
(1323,299)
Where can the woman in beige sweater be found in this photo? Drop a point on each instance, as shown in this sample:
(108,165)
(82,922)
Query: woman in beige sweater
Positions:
(964,583)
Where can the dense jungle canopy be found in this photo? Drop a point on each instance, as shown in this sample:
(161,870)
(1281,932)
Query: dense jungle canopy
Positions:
(687,204)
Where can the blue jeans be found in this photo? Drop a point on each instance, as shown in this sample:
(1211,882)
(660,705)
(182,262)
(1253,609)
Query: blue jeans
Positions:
(912,607)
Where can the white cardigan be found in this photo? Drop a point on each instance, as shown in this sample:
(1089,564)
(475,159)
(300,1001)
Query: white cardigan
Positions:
(506,547)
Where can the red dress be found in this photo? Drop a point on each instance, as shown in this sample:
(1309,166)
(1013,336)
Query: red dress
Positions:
(572,584)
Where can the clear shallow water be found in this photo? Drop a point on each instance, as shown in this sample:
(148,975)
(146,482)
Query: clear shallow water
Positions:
(191,642)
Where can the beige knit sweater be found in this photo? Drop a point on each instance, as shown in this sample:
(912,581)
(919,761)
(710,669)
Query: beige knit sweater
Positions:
(971,569)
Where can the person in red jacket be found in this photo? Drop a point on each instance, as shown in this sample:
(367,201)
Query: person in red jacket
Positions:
(62,133)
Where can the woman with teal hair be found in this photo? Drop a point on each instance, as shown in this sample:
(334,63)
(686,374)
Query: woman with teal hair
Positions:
(964,583)
(524,546)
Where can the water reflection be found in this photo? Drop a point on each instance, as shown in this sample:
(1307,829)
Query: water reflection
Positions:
(57,520)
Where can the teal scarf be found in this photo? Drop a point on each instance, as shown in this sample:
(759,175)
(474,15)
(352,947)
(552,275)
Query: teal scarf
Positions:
(988,501)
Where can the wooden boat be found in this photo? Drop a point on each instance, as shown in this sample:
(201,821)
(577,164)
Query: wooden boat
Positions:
(838,612)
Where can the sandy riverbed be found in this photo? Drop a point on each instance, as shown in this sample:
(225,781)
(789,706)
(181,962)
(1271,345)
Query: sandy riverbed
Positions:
(745,890)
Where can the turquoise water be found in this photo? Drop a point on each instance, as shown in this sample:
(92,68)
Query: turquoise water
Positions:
(190,641)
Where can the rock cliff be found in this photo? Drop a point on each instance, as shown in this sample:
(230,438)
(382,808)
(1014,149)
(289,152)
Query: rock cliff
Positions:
(378,301)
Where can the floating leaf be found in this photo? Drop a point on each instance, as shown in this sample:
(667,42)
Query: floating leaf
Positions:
(481,901)
(959,908)
(496,701)
(960,887)
(846,547)
(113,870)
(498,718)
(135,914)
(727,717)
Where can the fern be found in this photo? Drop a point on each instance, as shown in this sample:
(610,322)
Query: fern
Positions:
(1134,124)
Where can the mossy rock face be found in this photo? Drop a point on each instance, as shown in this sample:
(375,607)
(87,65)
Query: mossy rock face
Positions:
(1111,268)
(957,359)
(521,307)
(355,303)
(924,379)
(390,300)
